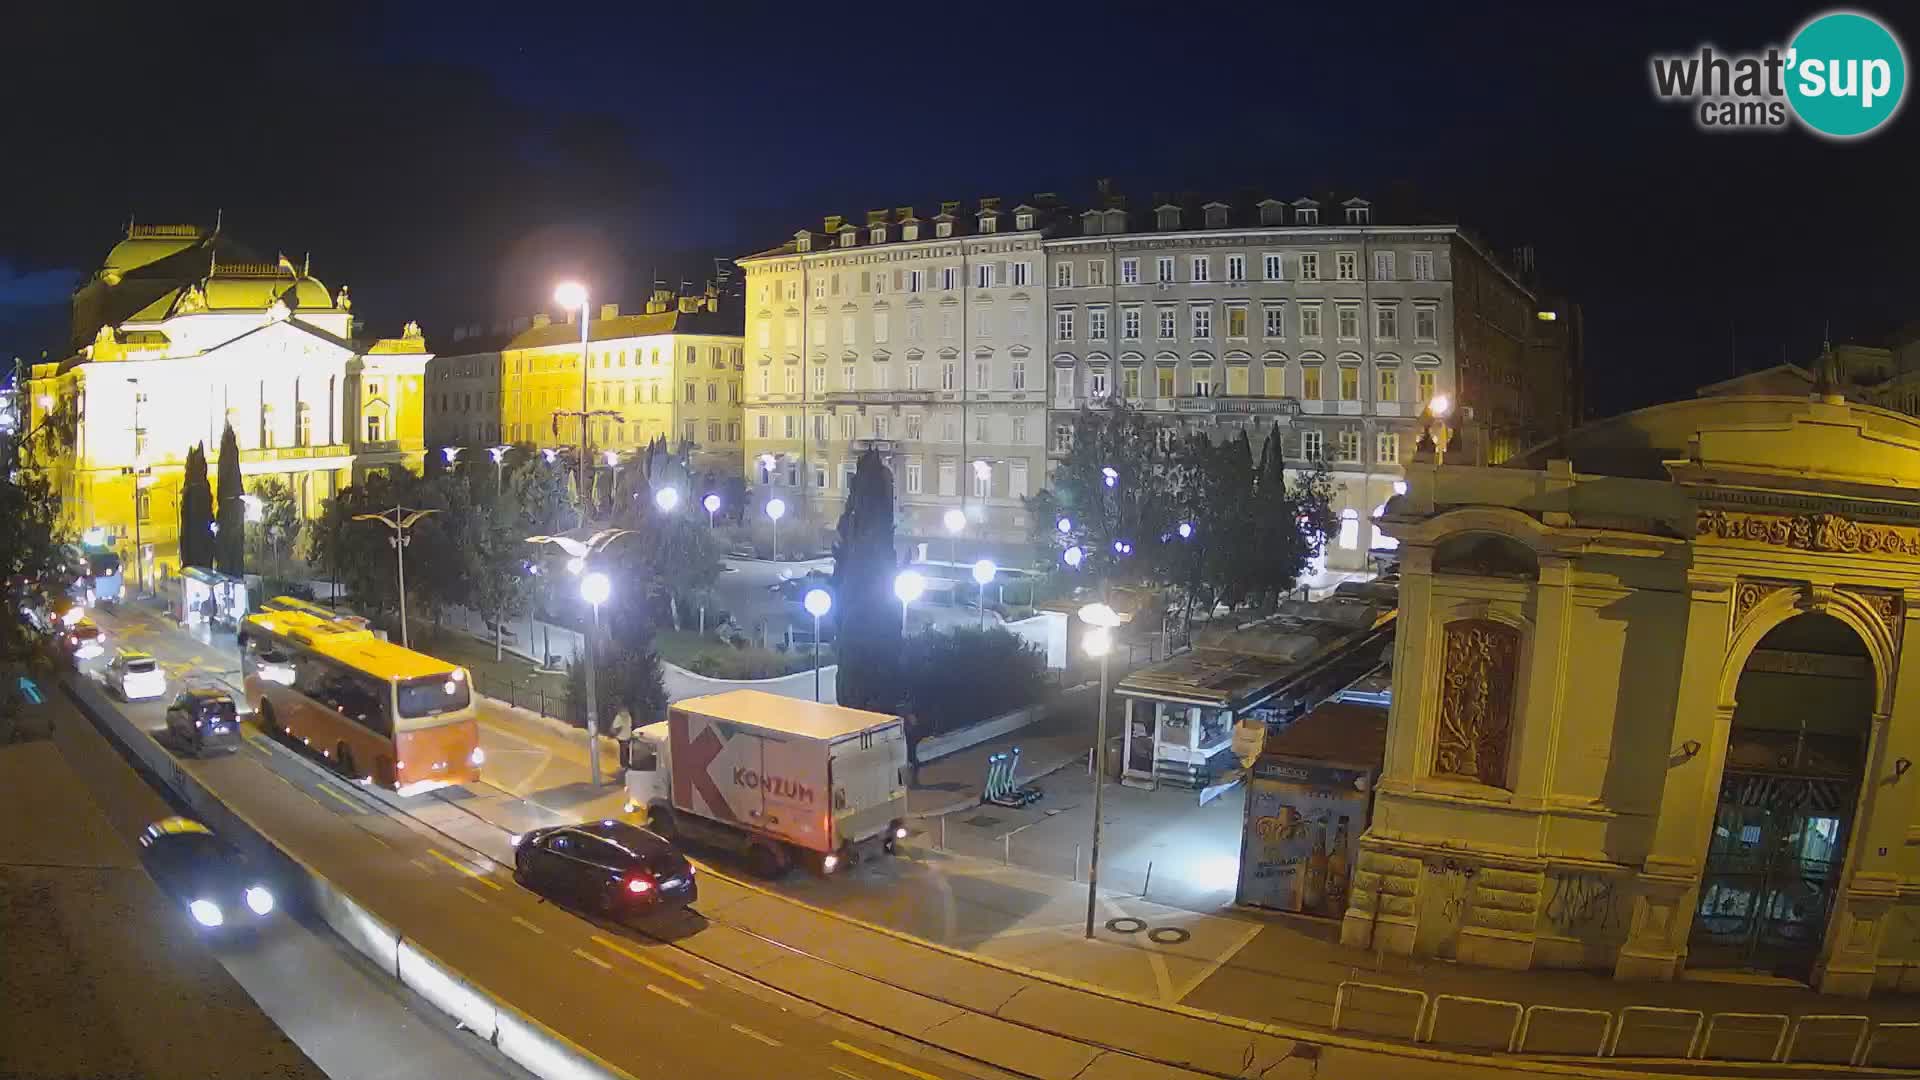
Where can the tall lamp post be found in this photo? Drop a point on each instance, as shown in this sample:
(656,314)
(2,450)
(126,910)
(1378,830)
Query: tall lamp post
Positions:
(983,572)
(907,587)
(819,602)
(499,456)
(712,505)
(139,474)
(776,509)
(956,521)
(595,587)
(399,519)
(1098,642)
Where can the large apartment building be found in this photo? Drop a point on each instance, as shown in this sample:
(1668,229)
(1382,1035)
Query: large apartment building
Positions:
(923,338)
(1309,317)
(672,370)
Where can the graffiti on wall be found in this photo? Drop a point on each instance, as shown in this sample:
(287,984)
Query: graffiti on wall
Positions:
(1580,902)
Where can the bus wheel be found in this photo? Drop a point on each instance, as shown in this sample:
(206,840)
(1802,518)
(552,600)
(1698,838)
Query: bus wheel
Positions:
(268,722)
(660,820)
(343,760)
(766,860)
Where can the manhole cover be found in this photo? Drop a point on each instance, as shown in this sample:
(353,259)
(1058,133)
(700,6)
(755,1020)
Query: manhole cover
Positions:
(982,821)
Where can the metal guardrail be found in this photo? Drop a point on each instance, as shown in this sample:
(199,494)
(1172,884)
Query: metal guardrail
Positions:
(1635,1030)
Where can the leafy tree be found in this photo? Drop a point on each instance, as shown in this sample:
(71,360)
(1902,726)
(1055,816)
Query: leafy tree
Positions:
(682,555)
(30,539)
(957,677)
(275,535)
(1128,508)
(626,670)
(438,564)
(196,511)
(864,562)
(230,543)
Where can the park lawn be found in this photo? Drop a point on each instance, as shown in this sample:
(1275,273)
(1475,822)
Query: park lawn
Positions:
(493,678)
(717,660)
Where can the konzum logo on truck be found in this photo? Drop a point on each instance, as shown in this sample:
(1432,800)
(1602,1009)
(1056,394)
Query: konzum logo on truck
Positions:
(779,787)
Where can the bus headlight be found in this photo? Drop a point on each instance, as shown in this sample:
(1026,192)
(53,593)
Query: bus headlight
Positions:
(206,913)
(828,862)
(259,900)
(478,757)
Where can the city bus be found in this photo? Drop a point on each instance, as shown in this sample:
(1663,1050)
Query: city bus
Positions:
(378,713)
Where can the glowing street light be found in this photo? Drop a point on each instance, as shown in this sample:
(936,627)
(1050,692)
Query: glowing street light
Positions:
(499,456)
(612,458)
(1110,475)
(712,505)
(1441,405)
(595,588)
(1074,556)
(1098,642)
(451,453)
(907,586)
(667,499)
(818,603)
(550,454)
(1186,530)
(983,572)
(1065,525)
(776,509)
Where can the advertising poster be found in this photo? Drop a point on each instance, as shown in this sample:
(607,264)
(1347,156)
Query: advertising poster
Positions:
(1303,821)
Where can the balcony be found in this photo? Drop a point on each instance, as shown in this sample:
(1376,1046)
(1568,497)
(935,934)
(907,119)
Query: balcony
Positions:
(1237,405)
(292,453)
(879,397)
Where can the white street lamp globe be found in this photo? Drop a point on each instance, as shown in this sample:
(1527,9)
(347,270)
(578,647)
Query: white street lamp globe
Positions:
(549,455)
(954,520)
(667,498)
(612,458)
(452,453)
(1186,530)
(983,571)
(1111,476)
(818,602)
(1097,642)
(1065,525)
(776,508)
(711,502)
(595,588)
(908,586)
(1441,405)
(497,453)
(570,294)
(1074,555)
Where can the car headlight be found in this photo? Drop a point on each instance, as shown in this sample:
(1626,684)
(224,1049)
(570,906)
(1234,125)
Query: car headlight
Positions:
(260,900)
(515,839)
(206,913)
(828,862)
(478,757)
(900,832)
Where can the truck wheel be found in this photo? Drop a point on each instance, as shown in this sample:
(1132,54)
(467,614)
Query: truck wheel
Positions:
(660,822)
(766,860)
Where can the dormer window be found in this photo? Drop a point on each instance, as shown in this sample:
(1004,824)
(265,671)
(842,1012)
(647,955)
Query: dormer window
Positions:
(910,232)
(879,234)
(846,237)
(1116,221)
(1216,216)
(803,242)
(1090,223)
(943,228)
(1359,215)
(1023,222)
(1272,212)
(1306,215)
(989,223)
(1167,217)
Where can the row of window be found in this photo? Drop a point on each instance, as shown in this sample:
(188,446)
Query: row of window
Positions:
(879,425)
(719,357)
(1306,266)
(982,324)
(608,433)
(988,480)
(1273,325)
(914,376)
(1202,382)
(1313,446)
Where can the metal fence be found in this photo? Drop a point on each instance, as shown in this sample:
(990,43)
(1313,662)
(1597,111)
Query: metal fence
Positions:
(1636,1031)
(548,697)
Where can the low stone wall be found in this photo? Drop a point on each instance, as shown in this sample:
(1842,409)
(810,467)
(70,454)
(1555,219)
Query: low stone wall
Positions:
(935,747)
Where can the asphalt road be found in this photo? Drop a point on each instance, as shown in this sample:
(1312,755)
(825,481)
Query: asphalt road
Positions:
(351,1019)
(650,1009)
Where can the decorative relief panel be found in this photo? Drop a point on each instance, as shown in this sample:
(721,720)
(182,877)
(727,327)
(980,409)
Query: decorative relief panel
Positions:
(1476,700)
(1886,606)
(1810,532)
(1748,595)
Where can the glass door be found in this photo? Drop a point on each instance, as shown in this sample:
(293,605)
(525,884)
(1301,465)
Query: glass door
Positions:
(1773,863)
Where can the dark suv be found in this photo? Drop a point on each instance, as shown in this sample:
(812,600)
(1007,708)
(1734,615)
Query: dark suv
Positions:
(202,720)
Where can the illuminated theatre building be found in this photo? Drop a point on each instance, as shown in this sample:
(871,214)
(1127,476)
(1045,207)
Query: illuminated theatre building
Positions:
(1654,709)
(178,335)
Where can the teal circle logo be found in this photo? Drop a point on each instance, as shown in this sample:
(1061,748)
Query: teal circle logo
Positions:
(1847,74)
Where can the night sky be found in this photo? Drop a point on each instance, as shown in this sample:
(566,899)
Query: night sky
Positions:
(449,164)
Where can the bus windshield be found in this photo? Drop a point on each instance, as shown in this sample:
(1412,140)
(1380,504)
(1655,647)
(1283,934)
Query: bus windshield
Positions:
(432,695)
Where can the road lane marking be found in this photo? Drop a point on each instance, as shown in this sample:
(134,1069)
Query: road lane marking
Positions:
(590,958)
(752,1034)
(463,868)
(654,964)
(670,996)
(528,925)
(848,1073)
(471,893)
(344,801)
(878,1060)
(421,865)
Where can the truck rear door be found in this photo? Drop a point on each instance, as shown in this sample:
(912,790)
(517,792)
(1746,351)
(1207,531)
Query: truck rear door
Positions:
(868,792)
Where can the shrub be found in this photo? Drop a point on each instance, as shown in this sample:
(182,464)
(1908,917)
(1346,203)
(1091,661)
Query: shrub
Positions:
(965,675)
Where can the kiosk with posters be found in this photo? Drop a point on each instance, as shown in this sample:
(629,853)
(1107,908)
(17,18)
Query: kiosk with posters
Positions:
(1310,799)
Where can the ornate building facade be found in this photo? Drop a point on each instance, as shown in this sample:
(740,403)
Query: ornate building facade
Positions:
(1653,708)
(180,334)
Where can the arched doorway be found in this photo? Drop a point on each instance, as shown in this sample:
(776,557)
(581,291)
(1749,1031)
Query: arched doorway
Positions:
(1795,756)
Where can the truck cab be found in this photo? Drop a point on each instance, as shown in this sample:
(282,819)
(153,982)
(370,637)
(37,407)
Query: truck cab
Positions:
(645,756)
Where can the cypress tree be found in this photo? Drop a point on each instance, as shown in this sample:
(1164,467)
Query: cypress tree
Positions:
(230,545)
(196,511)
(866,612)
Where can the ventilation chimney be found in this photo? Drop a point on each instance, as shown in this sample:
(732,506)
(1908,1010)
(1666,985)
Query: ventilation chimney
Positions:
(832,223)
(609,311)
(541,319)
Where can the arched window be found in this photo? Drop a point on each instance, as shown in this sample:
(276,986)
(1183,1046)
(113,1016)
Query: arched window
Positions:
(1479,659)
(1349,528)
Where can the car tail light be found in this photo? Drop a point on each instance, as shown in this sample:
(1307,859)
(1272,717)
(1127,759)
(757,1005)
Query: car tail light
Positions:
(639,885)
(478,757)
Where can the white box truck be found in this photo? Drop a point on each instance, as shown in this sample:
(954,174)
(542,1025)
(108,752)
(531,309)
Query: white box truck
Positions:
(777,779)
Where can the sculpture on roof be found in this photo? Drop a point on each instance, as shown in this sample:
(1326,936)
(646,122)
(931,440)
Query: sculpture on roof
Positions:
(411,332)
(342,301)
(191,300)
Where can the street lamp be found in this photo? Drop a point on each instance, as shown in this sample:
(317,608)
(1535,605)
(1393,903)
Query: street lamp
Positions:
(776,509)
(1065,525)
(955,520)
(611,457)
(1109,475)
(1073,556)
(908,585)
(451,453)
(572,295)
(1186,530)
(818,602)
(712,504)
(400,521)
(595,587)
(550,454)
(1098,642)
(983,572)
(667,499)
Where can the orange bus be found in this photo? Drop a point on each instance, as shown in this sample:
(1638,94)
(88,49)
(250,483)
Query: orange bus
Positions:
(377,712)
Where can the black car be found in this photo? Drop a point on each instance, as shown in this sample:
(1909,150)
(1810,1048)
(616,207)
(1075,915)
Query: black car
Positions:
(220,889)
(606,866)
(202,720)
